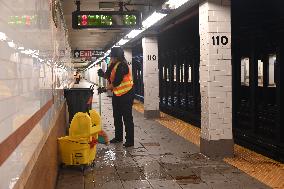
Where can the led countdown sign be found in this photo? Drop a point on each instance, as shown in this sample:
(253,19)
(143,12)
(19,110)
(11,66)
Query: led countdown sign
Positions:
(105,19)
(22,20)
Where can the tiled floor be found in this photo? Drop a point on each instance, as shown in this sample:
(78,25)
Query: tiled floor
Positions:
(159,159)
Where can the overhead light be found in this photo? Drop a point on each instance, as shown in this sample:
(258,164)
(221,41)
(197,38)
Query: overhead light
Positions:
(108,52)
(21,48)
(122,42)
(175,3)
(3,36)
(11,44)
(134,33)
(153,19)
(148,22)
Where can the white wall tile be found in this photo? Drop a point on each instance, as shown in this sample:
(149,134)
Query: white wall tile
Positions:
(23,90)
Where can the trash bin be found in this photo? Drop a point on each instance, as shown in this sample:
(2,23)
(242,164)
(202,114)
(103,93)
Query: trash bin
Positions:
(78,100)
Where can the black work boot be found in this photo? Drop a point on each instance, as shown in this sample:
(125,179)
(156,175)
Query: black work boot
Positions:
(127,144)
(114,140)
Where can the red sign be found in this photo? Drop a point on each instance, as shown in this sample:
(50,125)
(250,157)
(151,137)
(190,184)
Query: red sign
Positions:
(85,54)
(88,54)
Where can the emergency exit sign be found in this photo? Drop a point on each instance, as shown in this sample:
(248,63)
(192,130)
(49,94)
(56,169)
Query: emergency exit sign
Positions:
(88,54)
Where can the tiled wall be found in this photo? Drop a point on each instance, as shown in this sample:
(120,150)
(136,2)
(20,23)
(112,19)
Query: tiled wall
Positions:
(92,74)
(215,69)
(48,159)
(34,68)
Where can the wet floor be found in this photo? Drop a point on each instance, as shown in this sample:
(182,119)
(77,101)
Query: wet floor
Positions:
(159,159)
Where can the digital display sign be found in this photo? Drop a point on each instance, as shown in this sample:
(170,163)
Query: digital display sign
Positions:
(22,20)
(105,19)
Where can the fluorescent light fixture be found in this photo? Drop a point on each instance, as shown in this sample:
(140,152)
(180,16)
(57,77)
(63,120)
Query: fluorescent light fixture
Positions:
(122,42)
(153,19)
(176,3)
(3,36)
(107,53)
(148,22)
(21,48)
(11,44)
(133,33)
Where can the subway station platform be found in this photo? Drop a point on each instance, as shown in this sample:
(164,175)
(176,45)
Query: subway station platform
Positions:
(160,158)
(207,77)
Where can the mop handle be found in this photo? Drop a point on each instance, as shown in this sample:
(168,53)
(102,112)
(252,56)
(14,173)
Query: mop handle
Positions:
(100,97)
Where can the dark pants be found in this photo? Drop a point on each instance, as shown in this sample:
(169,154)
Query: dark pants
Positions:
(122,109)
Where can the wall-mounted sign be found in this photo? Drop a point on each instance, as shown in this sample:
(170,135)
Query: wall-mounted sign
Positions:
(24,20)
(106,19)
(88,54)
(151,57)
(217,40)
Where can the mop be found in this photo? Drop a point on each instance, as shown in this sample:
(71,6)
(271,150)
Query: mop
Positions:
(103,138)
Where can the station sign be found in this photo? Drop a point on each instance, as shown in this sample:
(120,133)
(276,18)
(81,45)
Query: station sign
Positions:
(106,19)
(88,54)
(24,20)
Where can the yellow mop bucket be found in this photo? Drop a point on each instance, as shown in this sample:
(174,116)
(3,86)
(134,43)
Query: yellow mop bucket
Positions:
(79,148)
(77,151)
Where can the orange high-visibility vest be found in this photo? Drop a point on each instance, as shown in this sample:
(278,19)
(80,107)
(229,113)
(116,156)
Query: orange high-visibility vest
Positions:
(125,85)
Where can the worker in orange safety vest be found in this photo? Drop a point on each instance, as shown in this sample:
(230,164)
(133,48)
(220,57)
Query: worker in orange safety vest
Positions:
(121,84)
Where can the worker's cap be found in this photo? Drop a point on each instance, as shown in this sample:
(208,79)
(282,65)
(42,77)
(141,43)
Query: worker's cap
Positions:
(116,52)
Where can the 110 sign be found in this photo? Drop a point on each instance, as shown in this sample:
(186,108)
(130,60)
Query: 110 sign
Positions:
(220,39)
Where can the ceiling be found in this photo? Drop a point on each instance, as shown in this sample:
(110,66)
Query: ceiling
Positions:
(101,39)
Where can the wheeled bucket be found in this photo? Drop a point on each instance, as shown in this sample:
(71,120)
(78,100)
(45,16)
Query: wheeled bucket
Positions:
(79,148)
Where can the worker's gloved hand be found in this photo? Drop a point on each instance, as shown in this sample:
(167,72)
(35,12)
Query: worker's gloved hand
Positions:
(101,73)
(101,90)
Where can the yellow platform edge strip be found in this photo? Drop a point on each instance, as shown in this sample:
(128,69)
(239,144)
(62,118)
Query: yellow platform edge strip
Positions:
(264,169)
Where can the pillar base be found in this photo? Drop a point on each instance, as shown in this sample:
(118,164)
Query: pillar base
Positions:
(151,114)
(217,148)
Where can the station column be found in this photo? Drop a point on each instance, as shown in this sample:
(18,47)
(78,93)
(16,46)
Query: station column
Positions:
(215,78)
(128,57)
(151,77)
